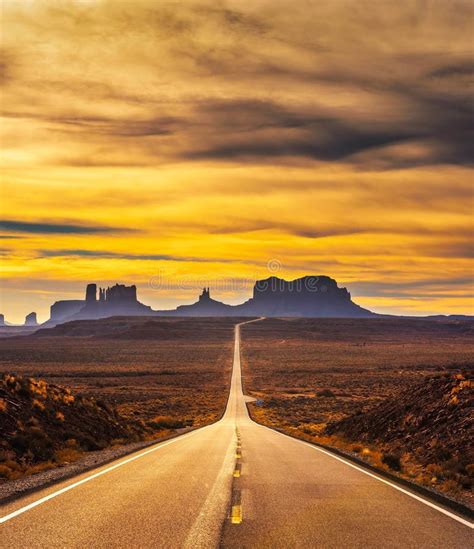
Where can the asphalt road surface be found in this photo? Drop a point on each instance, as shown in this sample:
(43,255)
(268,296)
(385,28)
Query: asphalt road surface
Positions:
(231,484)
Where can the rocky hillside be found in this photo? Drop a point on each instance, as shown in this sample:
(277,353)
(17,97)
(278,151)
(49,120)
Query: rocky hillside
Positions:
(427,430)
(42,425)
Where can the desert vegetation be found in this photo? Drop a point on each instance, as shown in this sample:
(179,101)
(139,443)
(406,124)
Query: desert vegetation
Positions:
(43,425)
(135,377)
(396,393)
(425,432)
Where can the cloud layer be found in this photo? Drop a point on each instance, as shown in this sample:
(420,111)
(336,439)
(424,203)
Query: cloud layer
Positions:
(53,228)
(334,136)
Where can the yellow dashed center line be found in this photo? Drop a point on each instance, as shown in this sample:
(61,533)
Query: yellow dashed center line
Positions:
(236,514)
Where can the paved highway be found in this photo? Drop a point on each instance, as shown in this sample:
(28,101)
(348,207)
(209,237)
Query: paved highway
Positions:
(231,484)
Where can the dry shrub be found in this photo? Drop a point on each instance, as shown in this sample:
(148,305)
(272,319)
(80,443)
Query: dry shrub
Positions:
(450,486)
(4,471)
(39,468)
(326,393)
(67,455)
(10,470)
(165,422)
(435,470)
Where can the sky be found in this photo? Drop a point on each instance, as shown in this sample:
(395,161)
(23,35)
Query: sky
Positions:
(177,145)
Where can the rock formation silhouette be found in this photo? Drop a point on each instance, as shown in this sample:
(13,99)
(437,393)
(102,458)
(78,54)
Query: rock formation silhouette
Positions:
(61,310)
(31,320)
(91,294)
(309,296)
(205,306)
(205,296)
(118,300)
(2,320)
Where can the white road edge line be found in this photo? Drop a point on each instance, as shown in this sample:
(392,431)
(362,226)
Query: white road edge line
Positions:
(392,484)
(44,499)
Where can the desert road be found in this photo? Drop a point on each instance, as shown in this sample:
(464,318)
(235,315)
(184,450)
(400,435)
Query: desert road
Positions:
(231,484)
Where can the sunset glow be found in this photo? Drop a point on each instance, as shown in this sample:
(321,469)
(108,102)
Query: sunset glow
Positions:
(176,145)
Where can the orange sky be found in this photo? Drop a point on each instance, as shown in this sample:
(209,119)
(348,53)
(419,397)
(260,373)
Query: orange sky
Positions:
(176,145)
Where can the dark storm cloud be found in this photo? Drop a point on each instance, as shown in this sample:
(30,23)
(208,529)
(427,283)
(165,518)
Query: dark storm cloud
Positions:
(438,119)
(431,114)
(264,129)
(55,228)
(229,76)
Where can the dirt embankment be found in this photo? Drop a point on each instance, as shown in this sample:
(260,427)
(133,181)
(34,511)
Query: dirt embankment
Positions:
(44,425)
(426,431)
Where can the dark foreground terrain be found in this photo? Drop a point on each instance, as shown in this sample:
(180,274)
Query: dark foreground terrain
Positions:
(101,382)
(396,393)
(44,425)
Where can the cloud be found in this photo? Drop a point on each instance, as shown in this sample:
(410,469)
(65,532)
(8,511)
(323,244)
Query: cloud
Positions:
(55,228)
(456,287)
(454,249)
(231,225)
(456,70)
(238,83)
(436,131)
(102,254)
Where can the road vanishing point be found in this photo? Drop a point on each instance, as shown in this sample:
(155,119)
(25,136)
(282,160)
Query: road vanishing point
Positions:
(234,483)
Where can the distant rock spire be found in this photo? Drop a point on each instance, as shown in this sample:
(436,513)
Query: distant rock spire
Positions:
(31,320)
(91,293)
(206,295)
